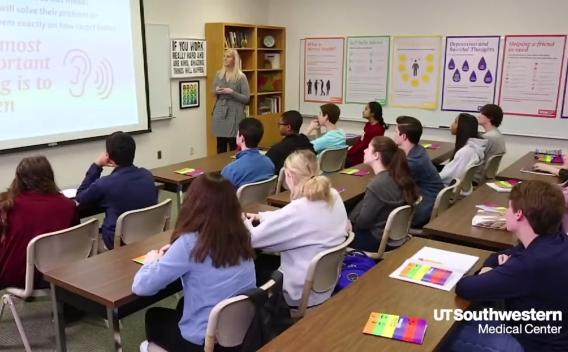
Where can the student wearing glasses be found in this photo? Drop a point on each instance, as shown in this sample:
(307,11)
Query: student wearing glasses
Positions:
(289,125)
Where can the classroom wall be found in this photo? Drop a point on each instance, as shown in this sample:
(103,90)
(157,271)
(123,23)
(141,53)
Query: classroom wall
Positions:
(305,18)
(179,139)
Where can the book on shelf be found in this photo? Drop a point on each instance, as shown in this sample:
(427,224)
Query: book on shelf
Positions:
(271,61)
(490,216)
(269,82)
(236,39)
(247,110)
(270,105)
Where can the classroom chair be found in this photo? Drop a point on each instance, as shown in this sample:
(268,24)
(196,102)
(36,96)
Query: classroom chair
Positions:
(491,167)
(281,183)
(465,187)
(323,273)
(397,229)
(257,192)
(46,252)
(332,160)
(139,224)
(229,320)
(444,199)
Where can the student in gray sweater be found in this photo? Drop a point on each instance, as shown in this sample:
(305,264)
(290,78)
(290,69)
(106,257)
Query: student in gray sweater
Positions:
(392,187)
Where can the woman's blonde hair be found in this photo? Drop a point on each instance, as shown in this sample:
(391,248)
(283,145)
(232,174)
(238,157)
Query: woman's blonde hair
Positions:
(303,164)
(235,74)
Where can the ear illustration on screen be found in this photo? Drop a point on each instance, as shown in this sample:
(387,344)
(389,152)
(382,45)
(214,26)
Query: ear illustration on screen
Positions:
(104,78)
(78,61)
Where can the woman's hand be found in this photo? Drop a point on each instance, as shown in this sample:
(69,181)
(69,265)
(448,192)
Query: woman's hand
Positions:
(225,91)
(152,256)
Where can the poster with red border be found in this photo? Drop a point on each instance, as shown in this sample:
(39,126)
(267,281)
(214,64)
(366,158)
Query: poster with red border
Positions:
(323,69)
(531,75)
(564,113)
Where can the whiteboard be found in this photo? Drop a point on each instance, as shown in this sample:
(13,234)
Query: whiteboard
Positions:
(158,61)
(512,124)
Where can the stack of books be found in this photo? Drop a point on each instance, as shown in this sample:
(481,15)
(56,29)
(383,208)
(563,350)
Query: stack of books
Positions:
(270,105)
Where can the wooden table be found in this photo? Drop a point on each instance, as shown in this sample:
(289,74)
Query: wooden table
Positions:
(440,154)
(352,188)
(455,223)
(338,324)
(525,163)
(103,285)
(174,182)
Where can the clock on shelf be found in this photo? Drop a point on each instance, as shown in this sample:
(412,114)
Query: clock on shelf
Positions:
(268,41)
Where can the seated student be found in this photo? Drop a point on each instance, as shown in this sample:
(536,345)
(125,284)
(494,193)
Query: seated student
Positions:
(469,149)
(528,277)
(375,126)
(210,252)
(407,137)
(334,138)
(314,220)
(391,188)
(290,123)
(31,206)
(250,165)
(562,172)
(127,187)
(490,118)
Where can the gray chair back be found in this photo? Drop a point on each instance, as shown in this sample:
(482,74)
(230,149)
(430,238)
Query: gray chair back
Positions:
(139,224)
(256,192)
(332,160)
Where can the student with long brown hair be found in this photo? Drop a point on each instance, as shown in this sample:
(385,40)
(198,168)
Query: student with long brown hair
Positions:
(314,220)
(392,187)
(31,206)
(210,252)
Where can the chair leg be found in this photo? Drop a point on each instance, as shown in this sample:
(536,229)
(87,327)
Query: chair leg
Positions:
(7,299)
(2,305)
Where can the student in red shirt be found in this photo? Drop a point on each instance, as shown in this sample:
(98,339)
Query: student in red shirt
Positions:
(375,127)
(31,206)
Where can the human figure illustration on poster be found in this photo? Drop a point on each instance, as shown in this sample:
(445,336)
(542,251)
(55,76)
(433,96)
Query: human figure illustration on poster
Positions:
(415,67)
(327,87)
(316,86)
(309,87)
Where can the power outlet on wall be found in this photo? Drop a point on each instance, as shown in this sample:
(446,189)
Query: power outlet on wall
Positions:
(159,154)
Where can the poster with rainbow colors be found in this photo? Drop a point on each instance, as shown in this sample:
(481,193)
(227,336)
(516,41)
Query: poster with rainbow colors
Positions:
(403,328)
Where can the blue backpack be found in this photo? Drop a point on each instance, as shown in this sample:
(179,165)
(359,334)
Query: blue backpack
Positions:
(355,264)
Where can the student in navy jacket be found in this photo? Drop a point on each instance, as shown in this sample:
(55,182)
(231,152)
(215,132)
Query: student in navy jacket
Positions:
(127,187)
(529,276)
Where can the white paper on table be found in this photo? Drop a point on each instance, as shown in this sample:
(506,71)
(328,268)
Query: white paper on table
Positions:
(70,192)
(457,263)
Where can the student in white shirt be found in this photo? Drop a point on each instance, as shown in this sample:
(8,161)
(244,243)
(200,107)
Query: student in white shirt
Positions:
(315,220)
(469,149)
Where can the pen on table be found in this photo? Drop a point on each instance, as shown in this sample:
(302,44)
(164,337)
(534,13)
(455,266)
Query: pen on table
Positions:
(430,261)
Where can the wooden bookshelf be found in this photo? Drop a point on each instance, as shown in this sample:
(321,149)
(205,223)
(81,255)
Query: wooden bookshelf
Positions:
(266,82)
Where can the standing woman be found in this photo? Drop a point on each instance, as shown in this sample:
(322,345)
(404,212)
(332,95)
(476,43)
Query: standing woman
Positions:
(210,252)
(375,126)
(31,207)
(233,93)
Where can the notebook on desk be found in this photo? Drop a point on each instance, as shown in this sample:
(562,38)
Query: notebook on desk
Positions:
(435,268)
(403,328)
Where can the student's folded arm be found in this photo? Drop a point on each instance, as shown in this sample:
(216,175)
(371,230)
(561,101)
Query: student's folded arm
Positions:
(368,212)
(563,174)
(275,233)
(93,174)
(504,281)
(244,95)
(153,277)
(492,262)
